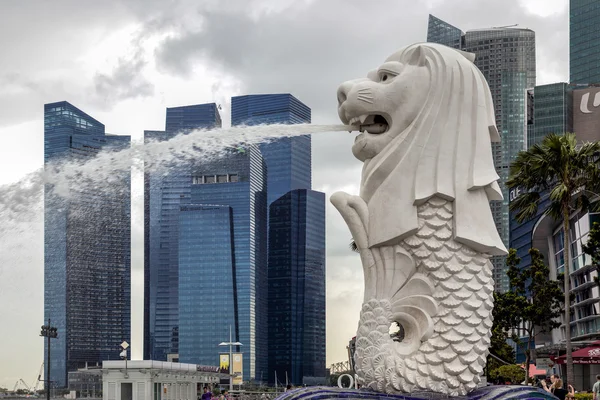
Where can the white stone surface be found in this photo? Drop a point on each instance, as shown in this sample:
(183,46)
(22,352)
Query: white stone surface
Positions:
(422,222)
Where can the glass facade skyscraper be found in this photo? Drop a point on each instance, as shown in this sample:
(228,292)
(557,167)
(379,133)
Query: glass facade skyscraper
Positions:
(87,239)
(165,192)
(297,287)
(222,262)
(298,213)
(552,111)
(506,57)
(584,41)
(206,240)
(441,32)
(288,160)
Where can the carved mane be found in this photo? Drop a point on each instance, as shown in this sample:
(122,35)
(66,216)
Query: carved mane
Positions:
(445,152)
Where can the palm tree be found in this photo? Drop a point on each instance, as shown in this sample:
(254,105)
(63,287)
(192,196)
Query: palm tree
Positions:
(570,174)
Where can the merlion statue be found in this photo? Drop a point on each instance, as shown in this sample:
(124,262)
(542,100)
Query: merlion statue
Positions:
(422,222)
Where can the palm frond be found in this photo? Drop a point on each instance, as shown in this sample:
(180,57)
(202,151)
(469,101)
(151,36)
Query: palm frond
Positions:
(526,206)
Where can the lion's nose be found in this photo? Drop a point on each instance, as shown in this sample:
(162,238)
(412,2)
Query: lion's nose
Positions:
(343,90)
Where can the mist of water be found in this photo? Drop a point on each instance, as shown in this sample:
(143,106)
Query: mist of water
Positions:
(21,200)
(22,217)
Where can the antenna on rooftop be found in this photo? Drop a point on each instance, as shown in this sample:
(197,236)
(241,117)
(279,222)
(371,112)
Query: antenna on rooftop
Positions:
(505,26)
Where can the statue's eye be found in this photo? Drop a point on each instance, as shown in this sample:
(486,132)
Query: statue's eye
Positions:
(385,76)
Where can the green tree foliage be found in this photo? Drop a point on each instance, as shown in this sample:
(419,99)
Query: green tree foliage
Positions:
(569,172)
(532,305)
(498,346)
(512,373)
(592,247)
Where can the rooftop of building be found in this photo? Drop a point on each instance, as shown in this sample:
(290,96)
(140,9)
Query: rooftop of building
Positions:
(161,365)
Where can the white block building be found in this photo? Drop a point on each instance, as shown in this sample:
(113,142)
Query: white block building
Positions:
(155,380)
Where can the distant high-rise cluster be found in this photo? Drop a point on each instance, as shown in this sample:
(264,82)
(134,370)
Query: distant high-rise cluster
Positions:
(526,113)
(235,242)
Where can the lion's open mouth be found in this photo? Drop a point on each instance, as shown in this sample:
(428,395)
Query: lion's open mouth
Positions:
(373,123)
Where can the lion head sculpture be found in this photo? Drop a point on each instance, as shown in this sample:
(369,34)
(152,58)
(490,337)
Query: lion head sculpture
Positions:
(427,122)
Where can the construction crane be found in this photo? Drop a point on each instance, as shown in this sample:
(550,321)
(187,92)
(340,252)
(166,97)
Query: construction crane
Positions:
(24,384)
(36,384)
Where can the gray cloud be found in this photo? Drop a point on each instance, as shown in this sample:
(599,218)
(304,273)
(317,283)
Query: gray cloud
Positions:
(125,81)
(308,49)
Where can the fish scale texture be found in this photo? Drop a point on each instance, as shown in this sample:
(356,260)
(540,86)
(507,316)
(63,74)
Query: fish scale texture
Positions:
(452,358)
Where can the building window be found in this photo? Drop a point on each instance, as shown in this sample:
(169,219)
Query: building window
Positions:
(197,180)
(221,178)
(233,178)
(209,179)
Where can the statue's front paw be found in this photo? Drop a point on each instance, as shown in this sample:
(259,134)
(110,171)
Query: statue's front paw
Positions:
(340,199)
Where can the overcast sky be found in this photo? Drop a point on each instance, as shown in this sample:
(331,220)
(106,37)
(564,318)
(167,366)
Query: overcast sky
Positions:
(124,61)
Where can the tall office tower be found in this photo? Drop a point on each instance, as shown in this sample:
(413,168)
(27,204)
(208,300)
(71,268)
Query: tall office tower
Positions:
(297,288)
(87,238)
(506,57)
(222,262)
(584,41)
(288,160)
(165,191)
(552,111)
(288,164)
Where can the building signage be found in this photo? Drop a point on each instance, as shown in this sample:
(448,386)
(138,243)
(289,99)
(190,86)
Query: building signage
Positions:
(543,363)
(513,194)
(594,352)
(586,114)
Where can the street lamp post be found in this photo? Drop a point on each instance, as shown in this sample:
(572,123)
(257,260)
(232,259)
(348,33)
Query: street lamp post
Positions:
(49,332)
(231,343)
(123,355)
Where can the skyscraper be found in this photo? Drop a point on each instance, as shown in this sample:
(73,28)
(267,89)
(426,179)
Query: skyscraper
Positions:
(584,41)
(288,164)
(297,287)
(506,57)
(288,160)
(552,111)
(86,248)
(222,262)
(165,192)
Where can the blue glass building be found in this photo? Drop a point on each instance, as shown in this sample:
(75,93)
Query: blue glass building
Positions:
(584,41)
(86,248)
(165,191)
(506,57)
(441,32)
(288,160)
(297,287)
(288,165)
(222,262)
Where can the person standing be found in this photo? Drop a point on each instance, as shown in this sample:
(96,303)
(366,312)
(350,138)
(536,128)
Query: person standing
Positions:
(556,388)
(207,395)
(596,387)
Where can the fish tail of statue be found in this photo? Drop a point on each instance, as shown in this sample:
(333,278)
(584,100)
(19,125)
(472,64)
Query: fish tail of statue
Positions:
(439,292)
